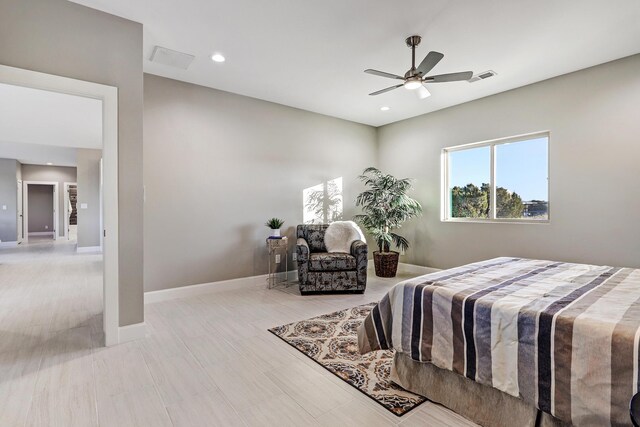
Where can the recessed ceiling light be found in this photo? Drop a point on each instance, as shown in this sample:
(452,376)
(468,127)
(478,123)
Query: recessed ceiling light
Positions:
(216,57)
(385,108)
(49,163)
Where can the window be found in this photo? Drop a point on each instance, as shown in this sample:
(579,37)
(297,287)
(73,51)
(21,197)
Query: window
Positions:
(504,180)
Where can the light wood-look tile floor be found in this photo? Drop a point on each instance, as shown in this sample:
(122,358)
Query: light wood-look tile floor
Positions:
(207,360)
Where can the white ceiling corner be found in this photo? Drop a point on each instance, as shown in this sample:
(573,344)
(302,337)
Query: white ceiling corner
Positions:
(311,55)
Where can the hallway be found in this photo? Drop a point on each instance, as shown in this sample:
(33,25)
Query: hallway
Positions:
(50,320)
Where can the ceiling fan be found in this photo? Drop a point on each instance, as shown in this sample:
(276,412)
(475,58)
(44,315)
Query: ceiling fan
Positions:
(416,78)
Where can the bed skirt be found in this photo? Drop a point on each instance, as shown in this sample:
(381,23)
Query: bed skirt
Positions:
(481,404)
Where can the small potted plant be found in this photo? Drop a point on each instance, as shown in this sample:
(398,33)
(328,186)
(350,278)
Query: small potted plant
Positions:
(386,205)
(274,224)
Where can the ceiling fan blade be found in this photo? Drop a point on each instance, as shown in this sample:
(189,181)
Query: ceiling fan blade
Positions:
(429,61)
(451,77)
(383,74)
(423,92)
(385,90)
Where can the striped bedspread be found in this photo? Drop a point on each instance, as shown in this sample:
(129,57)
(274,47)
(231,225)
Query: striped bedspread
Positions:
(561,336)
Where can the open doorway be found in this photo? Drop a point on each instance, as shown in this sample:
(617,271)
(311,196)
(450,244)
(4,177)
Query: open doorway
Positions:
(40,210)
(107,185)
(71,211)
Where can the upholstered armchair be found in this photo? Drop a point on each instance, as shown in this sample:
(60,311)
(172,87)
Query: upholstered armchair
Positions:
(320,271)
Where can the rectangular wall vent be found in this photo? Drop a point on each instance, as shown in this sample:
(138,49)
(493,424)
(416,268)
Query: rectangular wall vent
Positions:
(482,76)
(171,58)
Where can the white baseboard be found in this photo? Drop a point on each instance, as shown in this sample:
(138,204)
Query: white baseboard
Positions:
(204,288)
(404,268)
(251,281)
(131,332)
(8,244)
(41,233)
(212,287)
(418,270)
(88,249)
(293,276)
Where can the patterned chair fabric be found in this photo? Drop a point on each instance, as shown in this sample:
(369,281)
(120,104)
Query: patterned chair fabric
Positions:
(325,261)
(322,271)
(314,235)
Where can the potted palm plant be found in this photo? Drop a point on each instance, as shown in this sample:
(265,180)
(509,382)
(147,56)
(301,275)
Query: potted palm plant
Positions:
(386,206)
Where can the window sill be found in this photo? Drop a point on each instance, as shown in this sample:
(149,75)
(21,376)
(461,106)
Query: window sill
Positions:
(497,221)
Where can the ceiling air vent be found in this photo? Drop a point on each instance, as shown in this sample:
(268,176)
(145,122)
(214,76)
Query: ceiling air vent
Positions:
(482,76)
(171,58)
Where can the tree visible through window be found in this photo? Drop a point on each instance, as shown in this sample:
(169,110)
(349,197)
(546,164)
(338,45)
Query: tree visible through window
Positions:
(514,171)
(473,202)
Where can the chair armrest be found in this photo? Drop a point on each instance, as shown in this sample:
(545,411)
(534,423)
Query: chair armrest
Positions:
(359,249)
(302,250)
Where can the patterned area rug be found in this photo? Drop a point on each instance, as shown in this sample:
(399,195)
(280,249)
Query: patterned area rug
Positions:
(332,341)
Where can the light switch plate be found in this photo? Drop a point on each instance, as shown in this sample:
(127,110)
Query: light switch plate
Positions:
(4,207)
(83,206)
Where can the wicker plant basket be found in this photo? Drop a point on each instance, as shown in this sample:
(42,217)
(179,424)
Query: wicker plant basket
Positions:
(386,263)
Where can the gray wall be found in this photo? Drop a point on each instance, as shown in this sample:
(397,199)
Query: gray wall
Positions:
(594,169)
(66,39)
(218,165)
(40,208)
(89,194)
(59,174)
(8,197)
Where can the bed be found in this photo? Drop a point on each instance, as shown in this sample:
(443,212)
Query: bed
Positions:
(513,341)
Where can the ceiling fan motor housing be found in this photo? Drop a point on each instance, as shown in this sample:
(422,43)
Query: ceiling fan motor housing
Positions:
(413,41)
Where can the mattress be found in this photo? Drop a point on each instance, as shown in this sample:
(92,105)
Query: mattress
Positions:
(563,337)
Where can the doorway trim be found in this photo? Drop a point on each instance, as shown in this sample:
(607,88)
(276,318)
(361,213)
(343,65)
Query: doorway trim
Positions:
(109,97)
(25,208)
(66,207)
(20,212)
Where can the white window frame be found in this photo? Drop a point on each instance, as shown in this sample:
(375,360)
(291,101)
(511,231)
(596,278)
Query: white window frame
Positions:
(493,143)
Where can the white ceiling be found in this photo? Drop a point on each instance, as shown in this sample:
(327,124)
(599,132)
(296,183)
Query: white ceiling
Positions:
(311,55)
(36,154)
(34,116)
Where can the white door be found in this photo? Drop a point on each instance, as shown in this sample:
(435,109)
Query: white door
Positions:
(20,227)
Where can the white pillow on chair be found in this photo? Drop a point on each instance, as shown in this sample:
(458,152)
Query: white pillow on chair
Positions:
(340,235)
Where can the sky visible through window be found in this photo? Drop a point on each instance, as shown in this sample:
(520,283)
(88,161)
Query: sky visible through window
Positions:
(520,167)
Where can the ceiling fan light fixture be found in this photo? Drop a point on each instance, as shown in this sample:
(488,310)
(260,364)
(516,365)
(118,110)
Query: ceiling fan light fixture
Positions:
(412,83)
(423,93)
